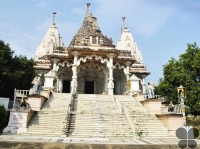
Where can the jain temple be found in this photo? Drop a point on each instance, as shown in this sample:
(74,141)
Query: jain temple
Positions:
(90,88)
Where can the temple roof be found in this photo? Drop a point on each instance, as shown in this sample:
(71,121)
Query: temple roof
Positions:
(88,31)
(51,40)
(126,42)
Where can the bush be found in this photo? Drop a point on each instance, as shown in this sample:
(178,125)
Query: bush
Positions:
(3,117)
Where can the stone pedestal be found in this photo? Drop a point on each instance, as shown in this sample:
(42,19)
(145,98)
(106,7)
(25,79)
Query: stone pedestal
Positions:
(139,97)
(49,77)
(18,121)
(35,101)
(153,106)
(172,122)
(45,93)
(134,85)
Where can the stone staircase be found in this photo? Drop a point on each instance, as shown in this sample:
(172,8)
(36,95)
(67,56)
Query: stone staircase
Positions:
(98,116)
(48,121)
(92,116)
(148,124)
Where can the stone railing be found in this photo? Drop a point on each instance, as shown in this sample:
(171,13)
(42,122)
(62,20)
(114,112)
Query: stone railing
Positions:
(21,93)
(18,94)
(118,103)
(133,123)
(70,107)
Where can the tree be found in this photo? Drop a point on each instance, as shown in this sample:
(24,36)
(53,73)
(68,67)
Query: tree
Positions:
(16,71)
(185,71)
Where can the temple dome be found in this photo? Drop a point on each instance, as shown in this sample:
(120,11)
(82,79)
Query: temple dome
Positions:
(90,34)
(49,42)
(126,42)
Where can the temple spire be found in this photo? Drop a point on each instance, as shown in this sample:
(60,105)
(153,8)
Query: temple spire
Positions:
(53,21)
(87,8)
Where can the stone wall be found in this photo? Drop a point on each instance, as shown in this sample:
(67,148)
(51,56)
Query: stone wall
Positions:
(4,102)
(120,81)
(91,74)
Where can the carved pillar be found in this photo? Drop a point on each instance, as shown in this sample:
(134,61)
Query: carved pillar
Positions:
(110,79)
(55,61)
(74,72)
(143,86)
(106,82)
(127,70)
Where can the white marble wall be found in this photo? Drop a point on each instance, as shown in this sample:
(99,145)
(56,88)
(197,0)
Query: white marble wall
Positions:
(120,81)
(64,73)
(4,102)
(91,74)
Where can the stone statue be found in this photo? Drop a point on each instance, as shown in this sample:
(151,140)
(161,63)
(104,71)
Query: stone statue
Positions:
(152,89)
(23,103)
(171,107)
(37,84)
(149,91)
(128,84)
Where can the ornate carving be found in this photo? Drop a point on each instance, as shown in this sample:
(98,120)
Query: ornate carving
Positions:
(90,28)
(65,63)
(90,58)
(89,65)
(119,66)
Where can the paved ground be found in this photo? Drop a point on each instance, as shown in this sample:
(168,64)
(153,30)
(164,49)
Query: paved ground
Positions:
(37,142)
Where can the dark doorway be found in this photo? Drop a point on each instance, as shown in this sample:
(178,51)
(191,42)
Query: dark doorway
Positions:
(66,86)
(89,87)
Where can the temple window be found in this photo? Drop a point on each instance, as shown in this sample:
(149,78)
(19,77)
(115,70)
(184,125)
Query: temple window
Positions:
(94,40)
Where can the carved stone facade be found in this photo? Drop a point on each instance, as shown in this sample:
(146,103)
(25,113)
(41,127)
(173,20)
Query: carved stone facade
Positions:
(90,34)
(91,64)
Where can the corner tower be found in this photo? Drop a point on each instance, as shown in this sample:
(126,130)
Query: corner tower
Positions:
(137,69)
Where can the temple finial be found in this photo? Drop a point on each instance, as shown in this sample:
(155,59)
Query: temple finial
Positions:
(123,26)
(53,21)
(87,8)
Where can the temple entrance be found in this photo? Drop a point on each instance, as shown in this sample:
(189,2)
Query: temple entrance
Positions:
(66,86)
(89,87)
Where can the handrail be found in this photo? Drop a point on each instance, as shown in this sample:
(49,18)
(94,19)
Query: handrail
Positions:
(21,93)
(118,103)
(130,120)
(69,108)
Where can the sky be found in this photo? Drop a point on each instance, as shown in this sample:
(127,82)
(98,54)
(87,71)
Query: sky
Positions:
(161,28)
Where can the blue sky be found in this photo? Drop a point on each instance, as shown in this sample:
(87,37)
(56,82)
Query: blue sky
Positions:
(161,28)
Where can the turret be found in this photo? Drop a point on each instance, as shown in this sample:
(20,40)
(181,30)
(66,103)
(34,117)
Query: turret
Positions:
(126,42)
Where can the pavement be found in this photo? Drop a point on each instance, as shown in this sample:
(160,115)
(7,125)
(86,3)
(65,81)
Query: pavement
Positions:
(43,139)
(46,142)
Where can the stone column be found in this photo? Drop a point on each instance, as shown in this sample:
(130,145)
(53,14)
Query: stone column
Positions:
(74,71)
(110,79)
(106,82)
(127,71)
(143,86)
(55,63)
(60,84)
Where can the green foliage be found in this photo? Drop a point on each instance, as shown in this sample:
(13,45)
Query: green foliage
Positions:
(16,71)
(185,71)
(2,116)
